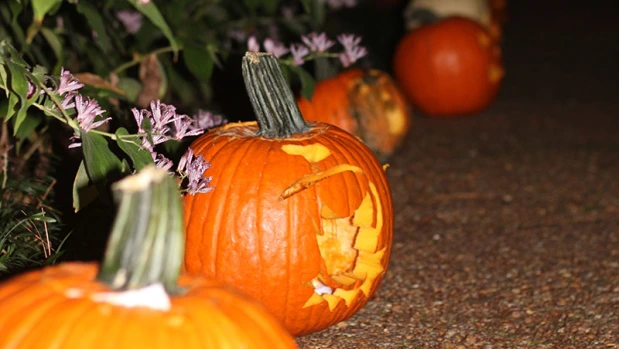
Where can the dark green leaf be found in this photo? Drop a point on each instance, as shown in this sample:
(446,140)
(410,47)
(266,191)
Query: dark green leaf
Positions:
(316,10)
(19,84)
(307,82)
(26,128)
(16,7)
(54,42)
(199,62)
(132,88)
(101,163)
(138,155)
(95,21)
(151,11)
(13,100)
(83,191)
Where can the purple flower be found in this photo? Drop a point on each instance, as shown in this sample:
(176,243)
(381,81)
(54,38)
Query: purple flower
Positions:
(252,44)
(336,4)
(183,127)
(87,110)
(68,83)
(352,52)
(276,48)
(161,161)
(159,116)
(317,42)
(132,20)
(193,169)
(139,116)
(68,102)
(32,89)
(205,119)
(162,114)
(298,51)
(237,35)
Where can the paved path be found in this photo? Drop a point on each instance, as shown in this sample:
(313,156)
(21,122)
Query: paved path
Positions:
(507,224)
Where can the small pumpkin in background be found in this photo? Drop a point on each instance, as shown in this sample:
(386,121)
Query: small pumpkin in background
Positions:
(452,67)
(420,12)
(366,103)
(136,299)
(301,217)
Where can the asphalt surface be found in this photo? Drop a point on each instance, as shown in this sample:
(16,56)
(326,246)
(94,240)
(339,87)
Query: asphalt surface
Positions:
(507,223)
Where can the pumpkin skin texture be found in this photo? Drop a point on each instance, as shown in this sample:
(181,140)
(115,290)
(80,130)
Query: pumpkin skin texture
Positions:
(54,308)
(284,217)
(137,297)
(449,68)
(367,104)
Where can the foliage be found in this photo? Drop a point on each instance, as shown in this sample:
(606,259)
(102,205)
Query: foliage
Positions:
(28,226)
(104,75)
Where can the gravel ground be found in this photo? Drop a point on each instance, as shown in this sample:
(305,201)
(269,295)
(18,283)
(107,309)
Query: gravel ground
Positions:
(507,223)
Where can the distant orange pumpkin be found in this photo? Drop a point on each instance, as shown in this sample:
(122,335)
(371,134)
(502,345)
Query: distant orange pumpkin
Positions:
(449,68)
(366,103)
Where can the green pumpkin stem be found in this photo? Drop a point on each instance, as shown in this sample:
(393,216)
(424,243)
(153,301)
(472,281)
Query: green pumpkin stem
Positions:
(276,109)
(146,244)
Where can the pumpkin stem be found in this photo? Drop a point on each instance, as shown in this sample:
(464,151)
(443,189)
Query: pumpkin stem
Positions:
(272,99)
(146,244)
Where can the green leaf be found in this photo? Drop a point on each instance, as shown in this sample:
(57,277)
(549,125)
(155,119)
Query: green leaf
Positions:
(19,90)
(54,42)
(26,128)
(138,155)
(102,165)
(42,7)
(95,21)
(22,114)
(13,100)
(3,79)
(83,191)
(307,82)
(132,88)
(199,61)
(19,84)
(181,86)
(151,12)
(316,10)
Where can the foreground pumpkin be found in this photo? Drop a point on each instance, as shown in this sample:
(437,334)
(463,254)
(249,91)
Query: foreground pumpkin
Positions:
(367,104)
(301,218)
(135,300)
(449,68)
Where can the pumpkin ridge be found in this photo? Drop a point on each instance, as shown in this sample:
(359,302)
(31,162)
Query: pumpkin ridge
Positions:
(62,326)
(27,318)
(245,148)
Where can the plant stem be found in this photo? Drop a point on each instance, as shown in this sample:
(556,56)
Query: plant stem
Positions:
(272,100)
(139,59)
(146,245)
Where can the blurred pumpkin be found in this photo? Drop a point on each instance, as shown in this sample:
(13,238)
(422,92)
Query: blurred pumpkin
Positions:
(136,299)
(367,104)
(449,68)
(301,217)
(421,12)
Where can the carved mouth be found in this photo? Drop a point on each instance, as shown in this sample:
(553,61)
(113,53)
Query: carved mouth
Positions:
(348,245)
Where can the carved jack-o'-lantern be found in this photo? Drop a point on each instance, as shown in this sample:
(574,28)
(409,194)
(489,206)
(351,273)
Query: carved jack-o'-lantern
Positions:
(301,215)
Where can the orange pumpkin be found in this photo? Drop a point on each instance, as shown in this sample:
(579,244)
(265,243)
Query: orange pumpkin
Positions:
(134,299)
(367,104)
(449,68)
(301,217)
